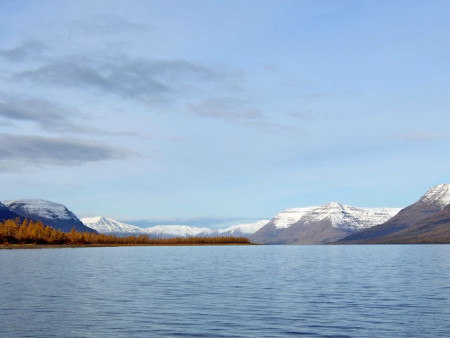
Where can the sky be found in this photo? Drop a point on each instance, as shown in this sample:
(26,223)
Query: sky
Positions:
(205,112)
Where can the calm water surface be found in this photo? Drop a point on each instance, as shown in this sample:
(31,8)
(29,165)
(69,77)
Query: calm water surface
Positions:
(233,291)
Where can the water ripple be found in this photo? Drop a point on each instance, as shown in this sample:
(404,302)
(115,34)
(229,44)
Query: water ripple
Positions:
(263,291)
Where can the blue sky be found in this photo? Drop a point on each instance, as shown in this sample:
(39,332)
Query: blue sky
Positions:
(201,111)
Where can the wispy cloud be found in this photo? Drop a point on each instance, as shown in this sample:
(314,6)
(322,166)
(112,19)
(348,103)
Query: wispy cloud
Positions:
(267,125)
(37,151)
(143,79)
(44,112)
(107,25)
(49,116)
(424,136)
(228,108)
(27,50)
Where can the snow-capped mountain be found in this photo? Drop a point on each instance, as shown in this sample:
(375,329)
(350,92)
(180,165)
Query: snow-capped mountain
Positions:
(166,231)
(434,200)
(105,225)
(438,195)
(341,216)
(49,213)
(319,224)
(241,230)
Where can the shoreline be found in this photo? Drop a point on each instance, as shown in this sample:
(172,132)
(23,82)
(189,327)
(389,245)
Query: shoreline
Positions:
(73,246)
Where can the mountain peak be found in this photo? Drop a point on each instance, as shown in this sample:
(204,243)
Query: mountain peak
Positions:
(439,194)
(40,208)
(340,215)
(106,225)
(50,213)
(333,205)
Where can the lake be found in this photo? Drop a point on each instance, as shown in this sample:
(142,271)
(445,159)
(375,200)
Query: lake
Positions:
(226,291)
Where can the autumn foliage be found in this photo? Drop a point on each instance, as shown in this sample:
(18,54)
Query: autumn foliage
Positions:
(30,232)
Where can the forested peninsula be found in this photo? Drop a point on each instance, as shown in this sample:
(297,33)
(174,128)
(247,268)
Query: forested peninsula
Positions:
(28,233)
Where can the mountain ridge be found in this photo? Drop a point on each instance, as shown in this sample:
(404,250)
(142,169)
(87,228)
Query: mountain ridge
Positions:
(49,213)
(431,203)
(108,225)
(319,224)
(433,229)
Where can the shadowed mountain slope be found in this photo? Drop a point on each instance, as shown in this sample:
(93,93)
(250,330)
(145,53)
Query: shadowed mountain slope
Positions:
(433,202)
(49,213)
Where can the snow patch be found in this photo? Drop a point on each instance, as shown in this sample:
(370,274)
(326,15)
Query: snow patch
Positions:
(439,194)
(341,216)
(244,229)
(174,231)
(41,208)
(107,225)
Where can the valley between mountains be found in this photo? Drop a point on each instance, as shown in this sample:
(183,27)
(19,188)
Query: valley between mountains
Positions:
(426,221)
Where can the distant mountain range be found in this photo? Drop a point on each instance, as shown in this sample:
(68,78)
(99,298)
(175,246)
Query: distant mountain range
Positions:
(109,226)
(426,221)
(112,227)
(312,225)
(416,223)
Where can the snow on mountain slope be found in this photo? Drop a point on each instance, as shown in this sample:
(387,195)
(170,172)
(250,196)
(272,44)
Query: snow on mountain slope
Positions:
(175,231)
(5,213)
(41,208)
(242,229)
(53,214)
(107,225)
(439,194)
(290,216)
(341,216)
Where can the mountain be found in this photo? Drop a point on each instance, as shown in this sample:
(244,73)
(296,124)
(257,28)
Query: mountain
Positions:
(109,226)
(242,230)
(5,213)
(166,231)
(433,229)
(319,224)
(434,201)
(49,213)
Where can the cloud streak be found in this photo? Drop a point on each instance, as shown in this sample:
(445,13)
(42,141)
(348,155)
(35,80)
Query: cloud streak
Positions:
(107,25)
(28,49)
(227,108)
(40,111)
(49,115)
(142,79)
(37,150)
(424,136)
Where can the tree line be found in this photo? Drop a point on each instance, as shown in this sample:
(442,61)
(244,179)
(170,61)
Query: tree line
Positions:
(17,231)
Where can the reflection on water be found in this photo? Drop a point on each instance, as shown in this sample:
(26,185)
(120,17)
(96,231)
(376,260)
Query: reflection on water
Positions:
(253,291)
